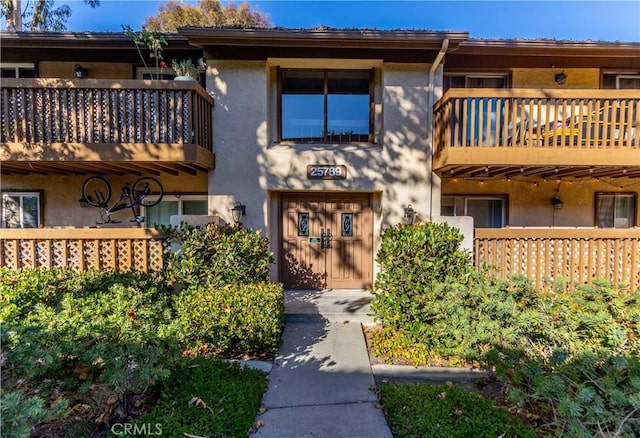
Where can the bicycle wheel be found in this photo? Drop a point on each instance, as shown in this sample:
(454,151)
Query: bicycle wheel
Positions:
(96,191)
(147,191)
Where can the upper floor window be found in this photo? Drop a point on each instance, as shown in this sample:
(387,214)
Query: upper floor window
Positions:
(461,80)
(10,70)
(615,210)
(329,106)
(628,81)
(21,209)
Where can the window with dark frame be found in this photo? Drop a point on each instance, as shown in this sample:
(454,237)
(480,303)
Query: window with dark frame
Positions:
(327,106)
(615,210)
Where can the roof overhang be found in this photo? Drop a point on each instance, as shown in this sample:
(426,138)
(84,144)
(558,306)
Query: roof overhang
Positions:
(332,38)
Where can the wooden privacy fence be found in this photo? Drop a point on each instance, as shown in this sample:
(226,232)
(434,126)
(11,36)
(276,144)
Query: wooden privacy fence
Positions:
(118,249)
(578,254)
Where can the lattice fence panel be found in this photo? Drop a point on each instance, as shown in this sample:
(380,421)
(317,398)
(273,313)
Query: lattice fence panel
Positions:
(578,259)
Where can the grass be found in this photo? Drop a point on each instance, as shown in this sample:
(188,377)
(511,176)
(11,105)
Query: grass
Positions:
(424,410)
(208,397)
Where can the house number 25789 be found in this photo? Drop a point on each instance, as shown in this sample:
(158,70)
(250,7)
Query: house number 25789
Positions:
(322,171)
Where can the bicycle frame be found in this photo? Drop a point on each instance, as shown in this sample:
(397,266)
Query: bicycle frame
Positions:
(125,194)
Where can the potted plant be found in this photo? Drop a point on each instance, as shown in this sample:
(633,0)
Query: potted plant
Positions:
(185,70)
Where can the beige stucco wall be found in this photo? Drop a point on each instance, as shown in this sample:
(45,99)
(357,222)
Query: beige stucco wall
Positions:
(97,70)
(253,168)
(62,192)
(545,78)
(529,200)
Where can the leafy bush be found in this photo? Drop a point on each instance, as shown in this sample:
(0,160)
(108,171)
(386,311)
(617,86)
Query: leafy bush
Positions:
(567,353)
(445,411)
(94,331)
(413,258)
(216,256)
(208,397)
(19,412)
(233,319)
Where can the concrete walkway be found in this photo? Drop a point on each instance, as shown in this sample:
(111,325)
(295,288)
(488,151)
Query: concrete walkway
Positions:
(320,384)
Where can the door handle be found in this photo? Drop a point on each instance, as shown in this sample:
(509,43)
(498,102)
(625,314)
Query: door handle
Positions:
(322,237)
(328,238)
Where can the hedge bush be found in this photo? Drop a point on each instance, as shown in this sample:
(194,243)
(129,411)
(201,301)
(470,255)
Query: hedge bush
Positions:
(216,255)
(569,353)
(233,319)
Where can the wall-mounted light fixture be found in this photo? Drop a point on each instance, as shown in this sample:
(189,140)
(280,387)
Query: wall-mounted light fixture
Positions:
(81,72)
(557,203)
(237,212)
(410,214)
(83,202)
(561,78)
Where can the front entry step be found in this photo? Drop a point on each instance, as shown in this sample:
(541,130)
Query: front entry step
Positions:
(333,305)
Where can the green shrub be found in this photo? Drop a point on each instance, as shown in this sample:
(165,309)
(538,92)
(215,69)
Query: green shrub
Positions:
(216,256)
(19,413)
(95,328)
(412,259)
(232,319)
(445,411)
(208,398)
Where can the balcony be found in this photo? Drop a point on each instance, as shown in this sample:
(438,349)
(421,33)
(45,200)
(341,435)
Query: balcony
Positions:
(547,133)
(60,126)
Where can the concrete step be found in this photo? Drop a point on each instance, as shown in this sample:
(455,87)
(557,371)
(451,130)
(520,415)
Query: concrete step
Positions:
(332,305)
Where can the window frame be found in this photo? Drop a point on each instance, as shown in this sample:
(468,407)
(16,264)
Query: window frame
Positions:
(634,218)
(325,71)
(506,76)
(16,66)
(504,199)
(178,198)
(28,192)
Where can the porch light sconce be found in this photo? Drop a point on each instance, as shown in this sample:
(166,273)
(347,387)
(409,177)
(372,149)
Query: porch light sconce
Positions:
(557,203)
(410,214)
(83,202)
(237,212)
(561,78)
(81,72)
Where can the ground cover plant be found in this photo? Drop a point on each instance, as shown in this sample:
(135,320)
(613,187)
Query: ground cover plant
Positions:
(567,354)
(84,351)
(424,410)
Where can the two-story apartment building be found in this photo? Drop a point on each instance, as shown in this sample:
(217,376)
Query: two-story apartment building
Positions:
(327,137)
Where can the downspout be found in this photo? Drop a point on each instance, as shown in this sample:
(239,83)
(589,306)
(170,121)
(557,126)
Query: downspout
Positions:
(430,103)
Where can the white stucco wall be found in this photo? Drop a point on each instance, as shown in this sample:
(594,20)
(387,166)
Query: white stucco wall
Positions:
(252,167)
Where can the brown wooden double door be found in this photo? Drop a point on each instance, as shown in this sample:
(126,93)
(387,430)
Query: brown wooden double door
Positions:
(327,240)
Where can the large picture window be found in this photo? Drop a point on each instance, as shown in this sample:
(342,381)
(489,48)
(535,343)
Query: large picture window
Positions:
(21,209)
(615,210)
(328,106)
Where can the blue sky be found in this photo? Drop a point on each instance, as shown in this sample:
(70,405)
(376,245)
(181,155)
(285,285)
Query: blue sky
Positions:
(565,20)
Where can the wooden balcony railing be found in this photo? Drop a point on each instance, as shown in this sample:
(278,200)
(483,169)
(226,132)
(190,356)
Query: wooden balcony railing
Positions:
(577,254)
(105,120)
(118,249)
(508,125)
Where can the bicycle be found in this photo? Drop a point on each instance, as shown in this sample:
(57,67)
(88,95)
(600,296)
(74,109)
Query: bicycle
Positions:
(96,191)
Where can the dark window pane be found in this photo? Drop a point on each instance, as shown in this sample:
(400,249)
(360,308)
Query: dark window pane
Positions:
(303,82)
(486,213)
(8,72)
(26,73)
(30,212)
(348,82)
(194,207)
